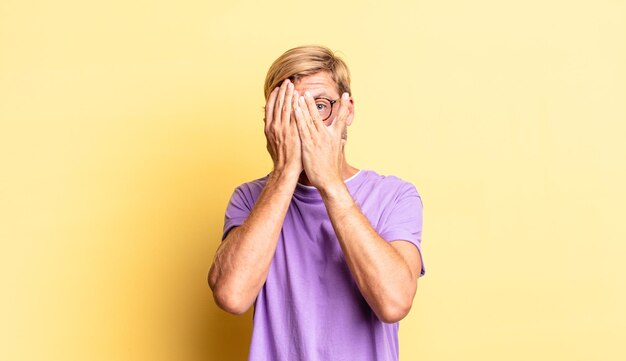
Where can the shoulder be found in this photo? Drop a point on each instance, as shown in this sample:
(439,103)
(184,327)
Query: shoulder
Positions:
(255,184)
(379,192)
(390,183)
(251,190)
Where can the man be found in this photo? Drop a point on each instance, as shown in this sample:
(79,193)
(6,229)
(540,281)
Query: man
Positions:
(328,254)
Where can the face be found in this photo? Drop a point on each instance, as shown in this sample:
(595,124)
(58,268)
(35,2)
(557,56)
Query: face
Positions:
(322,85)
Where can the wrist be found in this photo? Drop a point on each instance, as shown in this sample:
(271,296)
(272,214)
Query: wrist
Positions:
(284,176)
(333,189)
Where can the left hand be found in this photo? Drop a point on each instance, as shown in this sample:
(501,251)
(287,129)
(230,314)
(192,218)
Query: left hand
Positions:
(322,146)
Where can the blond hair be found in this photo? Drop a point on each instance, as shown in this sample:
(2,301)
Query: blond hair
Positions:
(306,60)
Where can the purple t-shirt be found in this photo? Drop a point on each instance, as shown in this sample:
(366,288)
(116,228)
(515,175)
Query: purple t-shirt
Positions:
(310,307)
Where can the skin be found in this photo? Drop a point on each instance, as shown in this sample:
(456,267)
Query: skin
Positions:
(306,149)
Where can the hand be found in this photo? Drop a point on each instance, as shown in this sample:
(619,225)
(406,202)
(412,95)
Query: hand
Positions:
(281,131)
(322,146)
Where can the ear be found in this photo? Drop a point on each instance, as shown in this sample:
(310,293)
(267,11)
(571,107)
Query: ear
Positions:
(350,117)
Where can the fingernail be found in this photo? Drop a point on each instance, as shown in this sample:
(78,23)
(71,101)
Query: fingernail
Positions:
(307,93)
(345,96)
(302,99)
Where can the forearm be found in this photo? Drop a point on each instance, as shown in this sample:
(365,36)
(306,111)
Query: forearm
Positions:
(242,261)
(381,273)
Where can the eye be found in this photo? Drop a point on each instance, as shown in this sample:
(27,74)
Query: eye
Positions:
(322,104)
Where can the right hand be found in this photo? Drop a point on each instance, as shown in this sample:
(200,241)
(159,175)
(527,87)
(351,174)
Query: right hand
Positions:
(281,130)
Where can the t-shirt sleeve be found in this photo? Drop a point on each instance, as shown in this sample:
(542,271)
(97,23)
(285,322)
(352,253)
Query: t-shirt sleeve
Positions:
(404,221)
(237,210)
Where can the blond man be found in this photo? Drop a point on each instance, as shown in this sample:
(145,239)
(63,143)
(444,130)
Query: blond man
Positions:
(328,254)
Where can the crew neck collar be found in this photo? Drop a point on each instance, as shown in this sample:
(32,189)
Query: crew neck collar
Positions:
(311,191)
(345,181)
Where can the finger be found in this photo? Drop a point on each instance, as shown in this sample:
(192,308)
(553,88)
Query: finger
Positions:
(308,119)
(287,104)
(315,115)
(302,120)
(279,102)
(342,113)
(269,108)
(294,105)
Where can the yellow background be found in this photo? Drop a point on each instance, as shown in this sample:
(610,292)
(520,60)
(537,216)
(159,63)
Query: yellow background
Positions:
(125,126)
